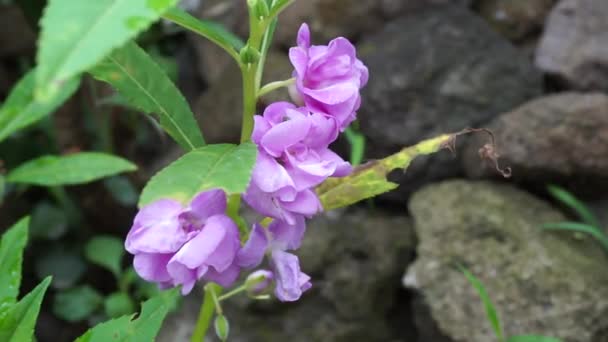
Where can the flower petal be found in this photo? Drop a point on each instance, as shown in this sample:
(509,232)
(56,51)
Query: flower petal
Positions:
(306,203)
(225,278)
(209,203)
(287,236)
(304,36)
(152,267)
(286,269)
(252,253)
(269,176)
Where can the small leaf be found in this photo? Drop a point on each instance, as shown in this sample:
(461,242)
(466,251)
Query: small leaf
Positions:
(105,251)
(573,203)
(222,166)
(76,304)
(532,338)
(48,221)
(19,322)
(222,327)
(357,145)
(118,304)
(141,81)
(208,29)
(75,35)
(144,328)
(21,109)
(487,303)
(66,267)
(579,228)
(369,180)
(11,257)
(71,169)
(122,190)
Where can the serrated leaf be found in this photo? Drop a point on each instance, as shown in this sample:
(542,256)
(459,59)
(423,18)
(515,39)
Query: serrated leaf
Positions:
(11,257)
(76,304)
(105,251)
(489,307)
(568,199)
(223,166)
(76,35)
(21,109)
(532,338)
(369,180)
(118,304)
(19,322)
(208,29)
(71,169)
(579,228)
(143,329)
(141,81)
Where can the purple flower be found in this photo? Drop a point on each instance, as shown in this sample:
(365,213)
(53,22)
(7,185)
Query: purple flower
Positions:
(280,236)
(178,246)
(328,78)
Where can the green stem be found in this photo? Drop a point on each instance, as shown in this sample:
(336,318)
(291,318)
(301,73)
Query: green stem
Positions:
(249,100)
(206,313)
(275,85)
(233,292)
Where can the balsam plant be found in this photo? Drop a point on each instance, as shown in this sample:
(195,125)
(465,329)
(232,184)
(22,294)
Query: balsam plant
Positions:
(493,317)
(589,223)
(189,228)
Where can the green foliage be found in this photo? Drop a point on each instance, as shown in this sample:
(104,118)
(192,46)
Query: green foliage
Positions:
(21,109)
(142,329)
(532,338)
(76,35)
(208,29)
(576,205)
(76,304)
(71,169)
(48,221)
(11,256)
(17,325)
(143,83)
(579,228)
(222,327)
(357,145)
(222,166)
(369,180)
(122,190)
(105,251)
(118,304)
(66,267)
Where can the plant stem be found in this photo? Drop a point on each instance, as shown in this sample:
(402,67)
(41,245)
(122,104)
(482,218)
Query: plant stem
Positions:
(249,100)
(275,85)
(206,313)
(233,292)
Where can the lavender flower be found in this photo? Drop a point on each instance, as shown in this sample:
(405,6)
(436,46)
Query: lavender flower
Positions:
(280,236)
(328,78)
(178,246)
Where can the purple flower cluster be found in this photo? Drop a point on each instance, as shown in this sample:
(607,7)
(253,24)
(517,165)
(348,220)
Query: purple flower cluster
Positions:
(179,245)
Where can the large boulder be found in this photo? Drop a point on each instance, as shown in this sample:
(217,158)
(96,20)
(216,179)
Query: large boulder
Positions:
(573,46)
(439,71)
(561,138)
(516,19)
(355,259)
(541,282)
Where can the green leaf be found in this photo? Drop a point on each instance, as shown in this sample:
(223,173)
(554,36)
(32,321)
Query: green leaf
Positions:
(19,322)
(573,203)
(71,169)
(487,303)
(76,35)
(118,304)
(532,338)
(357,145)
(48,221)
(369,180)
(580,228)
(279,6)
(142,82)
(143,329)
(106,251)
(214,166)
(76,304)
(21,109)
(122,190)
(65,266)
(11,257)
(208,29)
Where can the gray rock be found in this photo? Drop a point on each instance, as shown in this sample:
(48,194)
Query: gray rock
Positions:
(542,283)
(562,137)
(436,72)
(355,260)
(516,19)
(574,46)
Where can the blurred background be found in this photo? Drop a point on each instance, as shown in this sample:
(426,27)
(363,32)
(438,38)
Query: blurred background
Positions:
(535,72)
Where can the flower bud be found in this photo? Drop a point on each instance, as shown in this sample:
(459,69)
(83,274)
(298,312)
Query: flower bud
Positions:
(258,283)
(222,327)
(249,55)
(259,8)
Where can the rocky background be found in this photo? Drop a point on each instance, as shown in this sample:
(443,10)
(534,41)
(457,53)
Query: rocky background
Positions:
(535,72)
